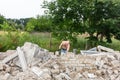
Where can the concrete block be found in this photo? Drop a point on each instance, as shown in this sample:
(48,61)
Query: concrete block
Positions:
(6,76)
(63,75)
(22,59)
(91,75)
(37,71)
(102,48)
(78,76)
(55,71)
(84,52)
(1,66)
(115,63)
(10,57)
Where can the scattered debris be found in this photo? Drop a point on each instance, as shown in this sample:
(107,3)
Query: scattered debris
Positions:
(31,62)
(97,50)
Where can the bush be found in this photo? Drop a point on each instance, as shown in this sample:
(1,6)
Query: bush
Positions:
(10,40)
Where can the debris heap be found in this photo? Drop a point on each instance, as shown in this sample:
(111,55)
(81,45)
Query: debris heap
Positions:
(30,62)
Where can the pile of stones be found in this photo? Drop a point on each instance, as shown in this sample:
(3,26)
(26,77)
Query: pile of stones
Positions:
(31,62)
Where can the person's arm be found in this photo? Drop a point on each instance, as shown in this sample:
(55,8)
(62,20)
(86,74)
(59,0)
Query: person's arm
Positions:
(60,45)
(68,47)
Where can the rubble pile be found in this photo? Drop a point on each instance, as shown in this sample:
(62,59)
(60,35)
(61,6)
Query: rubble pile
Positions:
(30,62)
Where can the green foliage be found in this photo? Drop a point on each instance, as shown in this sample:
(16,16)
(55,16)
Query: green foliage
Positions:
(42,24)
(100,19)
(10,40)
(2,19)
(18,23)
(7,27)
(30,25)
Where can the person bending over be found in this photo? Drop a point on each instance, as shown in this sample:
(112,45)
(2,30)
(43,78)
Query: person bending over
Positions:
(64,46)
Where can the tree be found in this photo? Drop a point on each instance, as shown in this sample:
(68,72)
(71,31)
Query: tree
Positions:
(2,19)
(18,23)
(102,21)
(96,17)
(30,25)
(41,23)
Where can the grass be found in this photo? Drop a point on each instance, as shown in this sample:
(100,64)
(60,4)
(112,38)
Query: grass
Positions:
(115,45)
(44,40)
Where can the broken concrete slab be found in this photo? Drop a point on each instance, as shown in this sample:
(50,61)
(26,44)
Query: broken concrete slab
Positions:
(46,76)
(88,52)
(97,50)
(29,50)
(22,59)
(2,56)
(102,48)
(44,64)
(6,76)
(7,53)
(78,76)
(10,57)
(91,75)
(39,72)
(93,49)
(1,66)
(33,54)
(65,76)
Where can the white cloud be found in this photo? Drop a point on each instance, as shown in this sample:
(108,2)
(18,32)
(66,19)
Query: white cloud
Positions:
(21,8)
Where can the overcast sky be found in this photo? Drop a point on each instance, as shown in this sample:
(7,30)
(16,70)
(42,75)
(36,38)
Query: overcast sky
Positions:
(21,8)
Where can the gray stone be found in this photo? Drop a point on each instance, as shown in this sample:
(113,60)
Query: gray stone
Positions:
(92,49)
(22,59)
(91,75)
(10,57)
(37,71)
(83,52)
(78,76)
(102,48)
(1,66)
(58,77)
(55,66)
(46,76)
(63,75)
(57,53)
(118,77)
(115,63)
(55,71)
(6,76)
(110,72)
(113,77)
